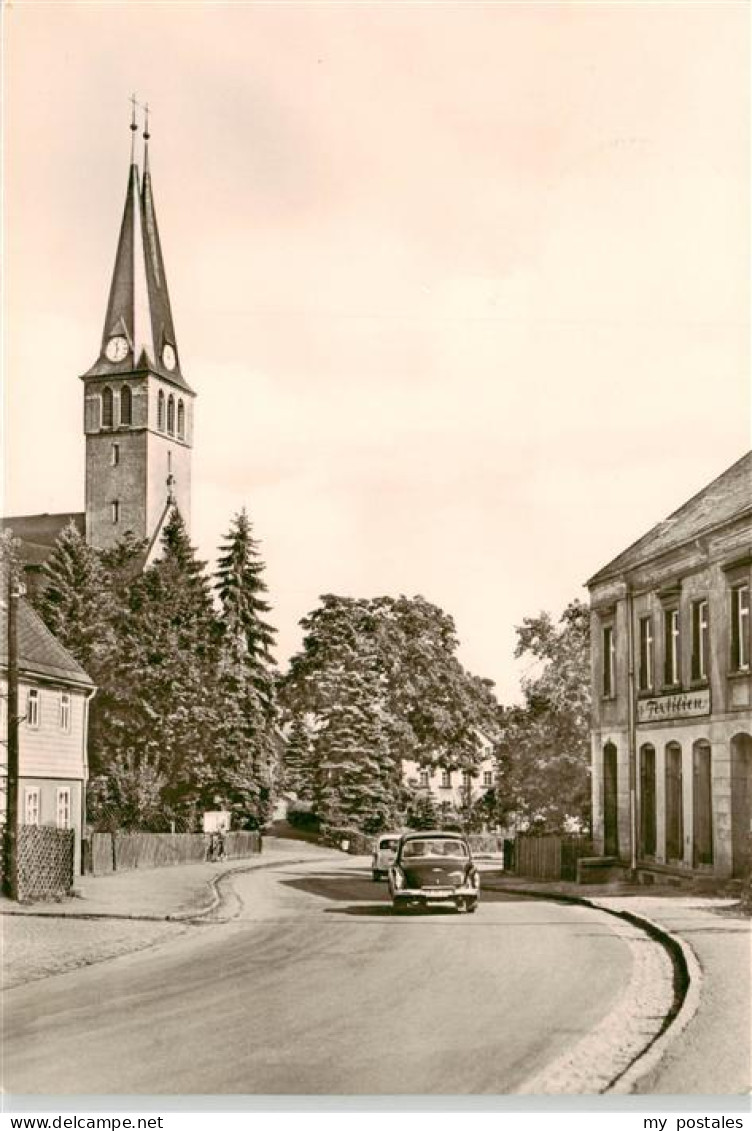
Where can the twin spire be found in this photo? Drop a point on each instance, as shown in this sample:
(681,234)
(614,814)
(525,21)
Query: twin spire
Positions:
(138,331)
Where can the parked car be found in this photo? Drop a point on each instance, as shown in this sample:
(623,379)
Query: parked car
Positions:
(434,868)
(384,854)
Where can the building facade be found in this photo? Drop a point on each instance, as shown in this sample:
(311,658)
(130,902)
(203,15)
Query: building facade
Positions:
(672,689)
(53,709)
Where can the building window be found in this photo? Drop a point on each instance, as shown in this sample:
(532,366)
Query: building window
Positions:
(160,411)
(115,511)
(65,711)
(740,628)
(446,779)
(107,414)
(171,416)
(700,639)
(32,813)
(32,708)
(487,779)
(646,654)
(467,779)
(63,807)
(609,661)
(671,647)
(424,779)
(126,405)
(181,420)
(115,455)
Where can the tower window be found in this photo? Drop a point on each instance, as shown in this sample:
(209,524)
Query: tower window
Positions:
(181,420)
(161,411)
(171,416)
(115,509)
(126,405)
(107,416)
(115,455)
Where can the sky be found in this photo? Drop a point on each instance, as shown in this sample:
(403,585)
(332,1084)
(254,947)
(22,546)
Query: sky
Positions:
(463,288)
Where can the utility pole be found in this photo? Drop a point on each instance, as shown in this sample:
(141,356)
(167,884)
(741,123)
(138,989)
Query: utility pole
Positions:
(11,826)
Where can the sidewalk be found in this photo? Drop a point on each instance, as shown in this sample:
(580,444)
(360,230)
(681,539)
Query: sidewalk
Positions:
(712,1054)
(171,893)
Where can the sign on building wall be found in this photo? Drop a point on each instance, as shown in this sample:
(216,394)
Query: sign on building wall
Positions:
(677,705)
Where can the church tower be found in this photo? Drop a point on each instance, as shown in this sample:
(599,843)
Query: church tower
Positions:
(138,407)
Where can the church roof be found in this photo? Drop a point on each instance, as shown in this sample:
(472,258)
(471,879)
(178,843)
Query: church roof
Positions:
(138,309)
(39,652)
(727,498)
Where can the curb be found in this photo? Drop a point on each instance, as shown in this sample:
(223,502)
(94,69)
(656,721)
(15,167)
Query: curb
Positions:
(688,980)
(173,917)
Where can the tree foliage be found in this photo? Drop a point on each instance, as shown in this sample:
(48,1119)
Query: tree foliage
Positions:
(382,681)
(180,723)
(544,753)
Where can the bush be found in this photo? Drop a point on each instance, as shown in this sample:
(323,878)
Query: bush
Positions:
(358,844)
(300,815)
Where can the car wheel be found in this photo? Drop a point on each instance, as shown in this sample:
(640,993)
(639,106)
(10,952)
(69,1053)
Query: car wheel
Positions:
(471,907)
(375,876)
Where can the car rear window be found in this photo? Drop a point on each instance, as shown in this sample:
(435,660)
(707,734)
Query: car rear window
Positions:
(434,846)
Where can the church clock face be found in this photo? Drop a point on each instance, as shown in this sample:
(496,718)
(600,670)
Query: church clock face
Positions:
(116,348)
(168,357)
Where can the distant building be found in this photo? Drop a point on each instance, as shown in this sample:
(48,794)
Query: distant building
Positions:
(672,688)
(53,698)
(138,407)
(454,787)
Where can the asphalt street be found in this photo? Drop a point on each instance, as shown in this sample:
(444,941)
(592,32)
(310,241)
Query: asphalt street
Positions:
(315,987)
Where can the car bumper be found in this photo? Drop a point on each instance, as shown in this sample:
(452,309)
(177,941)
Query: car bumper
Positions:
(427,898)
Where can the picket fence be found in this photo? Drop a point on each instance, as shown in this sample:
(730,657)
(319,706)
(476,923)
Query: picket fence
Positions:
(126,851)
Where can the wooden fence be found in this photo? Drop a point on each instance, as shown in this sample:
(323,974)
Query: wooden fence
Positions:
(121,852)
(550,857)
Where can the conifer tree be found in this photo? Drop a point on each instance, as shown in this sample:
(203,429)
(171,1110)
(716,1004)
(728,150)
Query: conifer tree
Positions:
(163,710)
(75,600)
(241,588)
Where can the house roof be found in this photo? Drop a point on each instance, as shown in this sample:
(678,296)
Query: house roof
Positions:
(39,652)
(728,497)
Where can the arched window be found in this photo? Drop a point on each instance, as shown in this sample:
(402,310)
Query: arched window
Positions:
(160,411)
(181,420)
(674,804)
(171,415)
(107,407)
(647,800)
(126,405)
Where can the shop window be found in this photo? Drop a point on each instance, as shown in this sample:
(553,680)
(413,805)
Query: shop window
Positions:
(700,639)
(740,628)
(645,677)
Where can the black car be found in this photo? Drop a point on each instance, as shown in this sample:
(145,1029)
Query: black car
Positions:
(433,869)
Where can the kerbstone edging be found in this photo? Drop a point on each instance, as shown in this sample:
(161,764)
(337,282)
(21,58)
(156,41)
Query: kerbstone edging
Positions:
(603,1061)
(216,897)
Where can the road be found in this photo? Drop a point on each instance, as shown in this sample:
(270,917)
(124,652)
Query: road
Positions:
(316,988)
